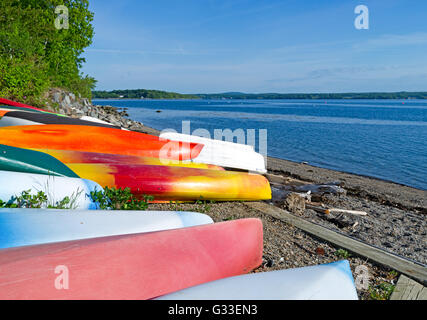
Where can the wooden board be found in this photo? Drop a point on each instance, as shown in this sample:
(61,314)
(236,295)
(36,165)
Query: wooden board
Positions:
(400,264)
(408,289)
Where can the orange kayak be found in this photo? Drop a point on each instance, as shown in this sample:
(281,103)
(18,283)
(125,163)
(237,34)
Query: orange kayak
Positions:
(97,139)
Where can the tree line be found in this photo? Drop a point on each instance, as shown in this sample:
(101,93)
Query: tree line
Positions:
(140,94)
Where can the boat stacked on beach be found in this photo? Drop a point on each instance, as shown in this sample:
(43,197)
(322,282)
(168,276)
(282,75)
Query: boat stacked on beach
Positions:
(64,163)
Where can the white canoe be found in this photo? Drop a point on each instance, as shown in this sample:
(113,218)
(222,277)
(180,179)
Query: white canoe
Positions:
(222,153)
(56,188)
(333,281)
(22,227)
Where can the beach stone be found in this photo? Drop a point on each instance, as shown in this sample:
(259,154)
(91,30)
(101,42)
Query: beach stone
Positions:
(85,102)
(67,100)
(56,97)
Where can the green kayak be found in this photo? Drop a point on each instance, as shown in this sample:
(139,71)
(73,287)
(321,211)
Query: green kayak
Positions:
(29,161)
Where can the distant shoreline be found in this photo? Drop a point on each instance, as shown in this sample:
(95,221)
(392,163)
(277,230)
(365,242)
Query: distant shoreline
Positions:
(142,94)
(159,99)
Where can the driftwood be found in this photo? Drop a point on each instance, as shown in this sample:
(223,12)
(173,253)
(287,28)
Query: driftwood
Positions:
(317,208)
(355,212)
(321,208)
(281,180)
(339,219)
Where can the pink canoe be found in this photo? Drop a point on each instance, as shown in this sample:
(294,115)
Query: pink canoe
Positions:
(138,266)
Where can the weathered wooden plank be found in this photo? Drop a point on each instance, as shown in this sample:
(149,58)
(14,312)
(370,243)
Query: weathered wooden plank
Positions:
(413,270)
(408,289)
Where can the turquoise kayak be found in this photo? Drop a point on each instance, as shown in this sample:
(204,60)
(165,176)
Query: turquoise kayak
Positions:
(23,227)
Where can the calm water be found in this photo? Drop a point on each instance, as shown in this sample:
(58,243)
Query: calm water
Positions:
(381,138)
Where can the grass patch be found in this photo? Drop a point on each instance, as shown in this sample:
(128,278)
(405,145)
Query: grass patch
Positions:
(119,199)
(204,205)
(343,254)
(39,200)
(381,291)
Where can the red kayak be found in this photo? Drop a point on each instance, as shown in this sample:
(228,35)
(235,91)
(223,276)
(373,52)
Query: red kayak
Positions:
(137,266)
(19,105)
(176,183)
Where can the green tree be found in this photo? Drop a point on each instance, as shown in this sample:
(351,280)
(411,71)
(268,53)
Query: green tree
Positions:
(35,55)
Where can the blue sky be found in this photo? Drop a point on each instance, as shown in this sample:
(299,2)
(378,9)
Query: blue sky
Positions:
(208,46)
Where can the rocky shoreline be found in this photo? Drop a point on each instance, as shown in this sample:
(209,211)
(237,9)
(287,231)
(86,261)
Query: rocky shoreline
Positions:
(67,103)
(395,221)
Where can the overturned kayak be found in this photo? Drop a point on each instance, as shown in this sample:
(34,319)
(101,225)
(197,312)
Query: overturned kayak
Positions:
(23,160)
(222,153)
(24,118)
(67,156)
(20,106)
(333,281)
(97,139)
(23,227)
(163,182)
(177,183)
(137,266)
(12,184)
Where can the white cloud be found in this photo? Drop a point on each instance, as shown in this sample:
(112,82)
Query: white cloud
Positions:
(393,40)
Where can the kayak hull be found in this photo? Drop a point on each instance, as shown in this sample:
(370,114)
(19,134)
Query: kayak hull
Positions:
(67,156)
(24,118)
(97,139)
(56,188)
(19,105)
(223,153)
(176,183)
(23,227)
(24,160)
(332,281)
(138,266)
